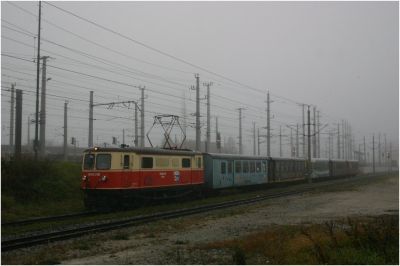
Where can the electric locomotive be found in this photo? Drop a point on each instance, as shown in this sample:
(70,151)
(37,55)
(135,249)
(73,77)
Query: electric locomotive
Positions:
(111,175)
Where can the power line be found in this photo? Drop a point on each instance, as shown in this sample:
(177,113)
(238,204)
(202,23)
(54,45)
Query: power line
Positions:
(107,48)
(91,56)
(161,52)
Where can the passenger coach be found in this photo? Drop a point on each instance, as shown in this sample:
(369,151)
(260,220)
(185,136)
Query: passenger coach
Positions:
(227,170)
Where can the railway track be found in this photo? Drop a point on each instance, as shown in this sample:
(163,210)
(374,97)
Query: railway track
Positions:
(49,218)
(34,240)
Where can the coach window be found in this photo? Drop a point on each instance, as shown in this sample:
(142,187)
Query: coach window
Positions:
(258,167)
(147,162)
(245,166)
(199,162)
(229,167)
(238,166)
(185,163)
(223,168)
(126,161)
(264,167)
(88,161)
(252,167)
(103,161)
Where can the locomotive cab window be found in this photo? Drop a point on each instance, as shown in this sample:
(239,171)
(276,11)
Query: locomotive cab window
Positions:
(185,163)
(147,162)
(126,161)
(88,161)
(103,161)
(198,162)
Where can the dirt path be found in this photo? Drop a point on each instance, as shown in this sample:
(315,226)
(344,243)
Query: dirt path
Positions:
(167,242)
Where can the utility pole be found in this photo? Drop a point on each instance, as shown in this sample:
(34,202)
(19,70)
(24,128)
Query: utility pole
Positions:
(365,154)
(36,143)
(136,141)
(18,124)
(184,114)
(379,150)
(198,133)
(373,154)
(240,130)
(12,116)
(318,137)
(268,127)
(314,135)
(329,144)
(291,142)
(65,131)
(390,156)
(343,140)
(351,144)
(208,134)
(297,140)
(258,141)
(338,140)
(385,153)
(254,138)
(280,141)
(217,136)
(29,131)
(309,146)
(142,118)
(304,132)
(43,110)
(90,138)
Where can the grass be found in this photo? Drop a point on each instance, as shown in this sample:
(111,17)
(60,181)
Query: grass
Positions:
(370,240)
(31,189)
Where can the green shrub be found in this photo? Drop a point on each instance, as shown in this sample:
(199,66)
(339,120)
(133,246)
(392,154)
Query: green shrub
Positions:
(28,180)
(34,188)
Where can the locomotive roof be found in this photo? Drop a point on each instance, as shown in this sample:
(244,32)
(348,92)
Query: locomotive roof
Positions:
(145,150)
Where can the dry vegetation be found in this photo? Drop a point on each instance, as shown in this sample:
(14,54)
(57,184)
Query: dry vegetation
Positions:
(368,240)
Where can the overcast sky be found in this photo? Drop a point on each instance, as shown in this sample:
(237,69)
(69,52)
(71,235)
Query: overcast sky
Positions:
(342,57)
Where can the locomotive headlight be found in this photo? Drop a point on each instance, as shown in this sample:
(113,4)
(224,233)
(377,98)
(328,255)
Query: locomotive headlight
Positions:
(84,178)
(104,178)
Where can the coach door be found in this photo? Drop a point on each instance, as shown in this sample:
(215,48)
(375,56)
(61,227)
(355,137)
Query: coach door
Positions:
(126,171)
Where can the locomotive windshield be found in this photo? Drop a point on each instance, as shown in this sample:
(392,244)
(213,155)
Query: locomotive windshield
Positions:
(88,161)
(103,161)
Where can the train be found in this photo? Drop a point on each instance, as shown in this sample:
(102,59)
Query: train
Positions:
(129,176)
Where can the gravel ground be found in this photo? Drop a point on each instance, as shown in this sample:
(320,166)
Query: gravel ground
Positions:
(174,241)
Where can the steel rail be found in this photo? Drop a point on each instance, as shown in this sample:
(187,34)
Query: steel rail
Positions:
(49,218)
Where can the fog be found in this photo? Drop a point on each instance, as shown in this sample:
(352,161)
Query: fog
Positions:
(342,57)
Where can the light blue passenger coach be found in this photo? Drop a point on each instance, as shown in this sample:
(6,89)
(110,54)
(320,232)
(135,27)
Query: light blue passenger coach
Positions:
(226,170)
